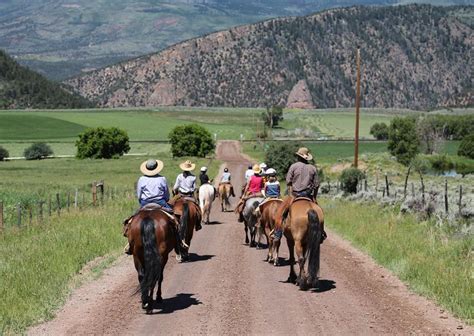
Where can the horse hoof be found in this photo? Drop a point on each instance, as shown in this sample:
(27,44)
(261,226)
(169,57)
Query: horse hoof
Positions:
(145,305)
(179,258)
(159,299)
(276,263)
(291,280)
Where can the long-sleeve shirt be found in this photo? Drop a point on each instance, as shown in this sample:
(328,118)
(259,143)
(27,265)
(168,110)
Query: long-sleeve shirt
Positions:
(152,189)
(302,176)
(248,174)
(185,184)
(272,189)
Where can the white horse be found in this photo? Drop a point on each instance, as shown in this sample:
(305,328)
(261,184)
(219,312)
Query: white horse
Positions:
(206,197)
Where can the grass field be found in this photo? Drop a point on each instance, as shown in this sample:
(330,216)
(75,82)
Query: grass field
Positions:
(428,257)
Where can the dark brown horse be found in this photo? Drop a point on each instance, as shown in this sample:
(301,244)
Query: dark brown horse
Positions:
(303,231)
(189,215)
(151,238)
(266,217)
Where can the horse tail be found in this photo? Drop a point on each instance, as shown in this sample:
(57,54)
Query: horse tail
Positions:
(314,241)
(184,221)
(152,260)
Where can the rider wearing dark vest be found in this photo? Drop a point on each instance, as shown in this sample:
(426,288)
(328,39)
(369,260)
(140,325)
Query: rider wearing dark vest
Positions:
(302,181)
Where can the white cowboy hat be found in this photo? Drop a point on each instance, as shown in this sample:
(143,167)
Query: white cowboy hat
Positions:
(304,153)
(203,169)
(271,171)
(187,166)
(263,165)
(151,167)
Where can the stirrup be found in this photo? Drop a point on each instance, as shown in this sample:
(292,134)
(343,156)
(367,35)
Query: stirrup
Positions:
(184,244)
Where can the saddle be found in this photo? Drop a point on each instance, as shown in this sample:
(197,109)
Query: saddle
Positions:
(303,198)
(269,199)
(154,206)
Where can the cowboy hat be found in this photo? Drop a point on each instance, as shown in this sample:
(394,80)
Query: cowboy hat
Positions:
(187,166)
(203,169)
(256,169)
(304,153)
(151,167)
(271,171)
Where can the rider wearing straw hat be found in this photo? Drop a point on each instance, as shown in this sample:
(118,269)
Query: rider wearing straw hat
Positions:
(186,181)
(302,181)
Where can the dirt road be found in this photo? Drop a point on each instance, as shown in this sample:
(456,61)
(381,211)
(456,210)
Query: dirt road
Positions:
(227,289)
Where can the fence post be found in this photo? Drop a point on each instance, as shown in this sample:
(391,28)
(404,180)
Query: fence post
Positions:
(68,200)
(101,191)
(366,187)
(386,185)
(446,195)
(49,206)
(2,225)
(94,193)
(76,194)
(383,192)
(460,198)
(376,181)
(18,212)
(412,190)
(41,211)
(58,203)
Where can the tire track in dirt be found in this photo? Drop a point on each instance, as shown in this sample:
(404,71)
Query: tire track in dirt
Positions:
(227,289)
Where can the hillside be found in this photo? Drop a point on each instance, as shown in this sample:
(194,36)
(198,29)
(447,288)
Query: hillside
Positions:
(412,57)
(61,38)
(22,88)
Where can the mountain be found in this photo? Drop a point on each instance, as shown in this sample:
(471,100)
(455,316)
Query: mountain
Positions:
(414,56)
(22,88)
(61,38)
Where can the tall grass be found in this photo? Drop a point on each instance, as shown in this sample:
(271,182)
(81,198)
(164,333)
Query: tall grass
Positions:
(434,260)
(38,264)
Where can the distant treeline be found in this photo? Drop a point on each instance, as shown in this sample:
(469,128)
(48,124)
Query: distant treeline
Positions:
(21,88)
(454,127)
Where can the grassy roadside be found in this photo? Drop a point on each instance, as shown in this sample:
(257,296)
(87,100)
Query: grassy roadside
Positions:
(434,261)
(39,263)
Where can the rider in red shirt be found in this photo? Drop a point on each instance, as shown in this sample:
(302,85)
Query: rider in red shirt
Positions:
(252,189)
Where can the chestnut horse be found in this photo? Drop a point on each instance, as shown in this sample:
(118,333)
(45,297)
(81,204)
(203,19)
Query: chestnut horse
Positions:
(303,231)
(189,214)
(151,238)
(224,194)
(266,219)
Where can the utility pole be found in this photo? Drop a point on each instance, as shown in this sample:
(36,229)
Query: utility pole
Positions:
(356,143)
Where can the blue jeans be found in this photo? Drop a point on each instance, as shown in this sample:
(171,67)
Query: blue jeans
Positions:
(160,202)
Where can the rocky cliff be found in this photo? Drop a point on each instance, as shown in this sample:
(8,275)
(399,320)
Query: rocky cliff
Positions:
(412,57)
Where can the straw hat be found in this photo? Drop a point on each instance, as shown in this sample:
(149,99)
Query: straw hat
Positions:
(304,153)
(256,169)
(187,165)
(151,167)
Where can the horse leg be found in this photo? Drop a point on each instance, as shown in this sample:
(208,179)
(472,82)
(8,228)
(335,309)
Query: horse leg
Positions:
(291,248)
(300,252)
(246,234)
(269,243)
(253,233)
(164,259)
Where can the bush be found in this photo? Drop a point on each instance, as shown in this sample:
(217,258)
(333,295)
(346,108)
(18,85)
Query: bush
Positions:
(191,140)
(403,141)
(379,131)
(38,151)
(466,148)
(102,143)
(3,153)
(281,156)
(441,163)
(350,178)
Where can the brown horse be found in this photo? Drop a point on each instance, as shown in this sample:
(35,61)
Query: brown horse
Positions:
(189,215)
(224,192)
(267,223)
(303,232)
(151,238)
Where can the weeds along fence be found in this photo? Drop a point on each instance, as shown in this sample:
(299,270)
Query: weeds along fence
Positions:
(446,198)
(20,214)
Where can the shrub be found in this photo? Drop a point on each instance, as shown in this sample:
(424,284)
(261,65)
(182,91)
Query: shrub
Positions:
(3,153)
(281,156)
(191,140)
(403,141)
(350,178)
(38,151)
(441,163)
(102,143)
(379,131)
(466,148)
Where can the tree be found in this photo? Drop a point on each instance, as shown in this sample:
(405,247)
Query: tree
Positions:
(3,153)
(403,141)
(37,151)
(379,131)
(191,140)
(102,143)
(350,178)
(430,136)
(273,116)
(466,148)
(280,156)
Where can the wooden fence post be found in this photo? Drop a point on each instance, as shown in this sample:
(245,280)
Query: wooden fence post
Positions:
(460,198)
(386,185)
(58,203)
(2,225)
(94,193)
(412,190)
(366,187)
(446,195)
(18,212)
(68,200)
(376,181)
(101,191)
(41,211)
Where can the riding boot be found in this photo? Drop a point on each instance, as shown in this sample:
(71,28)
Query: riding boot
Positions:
(180,243)
(232,191)
(323,236)
(128,249)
